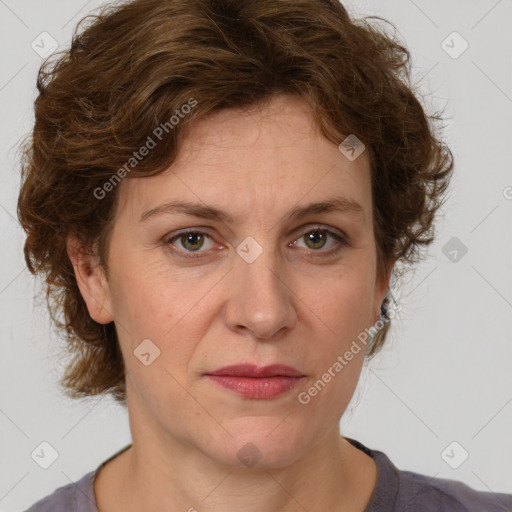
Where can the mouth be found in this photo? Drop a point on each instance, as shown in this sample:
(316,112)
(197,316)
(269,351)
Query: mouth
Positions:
(251,381)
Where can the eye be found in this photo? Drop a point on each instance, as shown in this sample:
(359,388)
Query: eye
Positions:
(192,241)
(316,239)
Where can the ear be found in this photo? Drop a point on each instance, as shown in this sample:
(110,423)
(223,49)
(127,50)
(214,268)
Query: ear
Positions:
(91,280)
(381,288)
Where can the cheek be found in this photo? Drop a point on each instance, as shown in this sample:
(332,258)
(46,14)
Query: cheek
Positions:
(342,307)
(158,391)
(155,305)
(145,302)
(340,318)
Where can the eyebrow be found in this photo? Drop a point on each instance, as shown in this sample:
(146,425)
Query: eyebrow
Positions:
(338,204)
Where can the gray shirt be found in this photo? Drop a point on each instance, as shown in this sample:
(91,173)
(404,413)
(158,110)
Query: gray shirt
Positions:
(395,491)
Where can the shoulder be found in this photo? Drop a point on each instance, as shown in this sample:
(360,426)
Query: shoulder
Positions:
(75,497)
(422,493)
(406,491)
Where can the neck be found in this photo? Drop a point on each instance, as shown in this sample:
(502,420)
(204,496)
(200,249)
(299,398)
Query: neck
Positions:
(172,476)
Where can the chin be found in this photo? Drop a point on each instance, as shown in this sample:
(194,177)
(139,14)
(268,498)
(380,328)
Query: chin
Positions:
(263,442)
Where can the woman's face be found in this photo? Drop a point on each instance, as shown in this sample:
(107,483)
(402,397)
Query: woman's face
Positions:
(264,287)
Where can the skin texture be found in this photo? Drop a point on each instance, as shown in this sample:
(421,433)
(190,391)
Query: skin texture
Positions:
(291,305)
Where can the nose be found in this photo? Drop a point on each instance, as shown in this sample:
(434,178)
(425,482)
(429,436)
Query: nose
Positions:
(260,301)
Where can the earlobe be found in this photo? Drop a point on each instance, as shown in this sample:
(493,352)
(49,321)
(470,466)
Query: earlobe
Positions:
(91,280)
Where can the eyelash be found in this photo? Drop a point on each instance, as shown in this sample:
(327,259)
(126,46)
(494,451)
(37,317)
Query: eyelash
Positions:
(342,242)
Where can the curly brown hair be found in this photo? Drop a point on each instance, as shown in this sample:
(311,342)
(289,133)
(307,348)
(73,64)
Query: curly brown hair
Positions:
(131,66)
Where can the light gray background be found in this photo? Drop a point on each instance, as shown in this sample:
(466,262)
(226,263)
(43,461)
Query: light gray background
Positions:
(446,372)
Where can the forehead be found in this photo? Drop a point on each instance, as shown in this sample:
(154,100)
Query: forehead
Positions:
(253,162)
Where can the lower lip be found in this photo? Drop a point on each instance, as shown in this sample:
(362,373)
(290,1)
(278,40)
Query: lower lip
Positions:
(257,387)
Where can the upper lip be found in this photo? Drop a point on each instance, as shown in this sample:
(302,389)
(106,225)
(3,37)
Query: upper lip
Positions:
(251,370)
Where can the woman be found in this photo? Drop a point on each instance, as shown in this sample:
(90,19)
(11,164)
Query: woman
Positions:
(217,193)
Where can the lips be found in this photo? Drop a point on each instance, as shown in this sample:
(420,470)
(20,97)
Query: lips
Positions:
(250,381)
(249,370)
